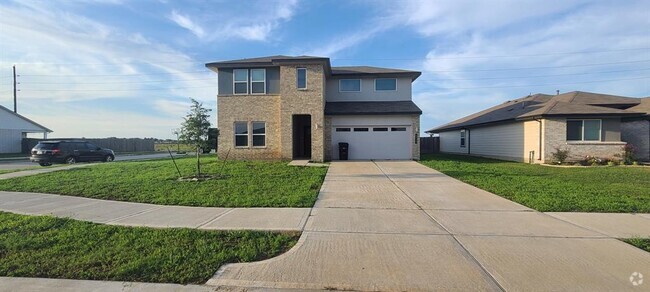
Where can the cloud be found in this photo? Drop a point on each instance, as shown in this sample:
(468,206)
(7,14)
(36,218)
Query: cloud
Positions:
(186,23)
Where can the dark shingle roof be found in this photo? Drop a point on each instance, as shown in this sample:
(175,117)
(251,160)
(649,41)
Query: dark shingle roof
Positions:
(268,60)
(574,103)
(372,108)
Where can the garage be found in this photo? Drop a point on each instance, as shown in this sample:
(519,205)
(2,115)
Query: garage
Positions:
(377,137)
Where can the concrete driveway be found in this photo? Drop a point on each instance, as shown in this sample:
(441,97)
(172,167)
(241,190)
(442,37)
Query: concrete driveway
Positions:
(398,226)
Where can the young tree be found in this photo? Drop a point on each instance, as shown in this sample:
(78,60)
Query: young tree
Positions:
(194,129)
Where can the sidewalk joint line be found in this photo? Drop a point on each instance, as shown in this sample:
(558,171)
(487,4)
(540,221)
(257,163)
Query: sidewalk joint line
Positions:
(134,214)
(215,218)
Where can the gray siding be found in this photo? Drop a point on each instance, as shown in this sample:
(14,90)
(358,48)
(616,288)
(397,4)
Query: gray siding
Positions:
(368,92)
(272,81)
(450,142)
(10,141)
(637,133)
(504,141)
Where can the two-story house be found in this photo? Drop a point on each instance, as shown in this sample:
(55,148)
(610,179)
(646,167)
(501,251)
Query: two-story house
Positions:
(283,107)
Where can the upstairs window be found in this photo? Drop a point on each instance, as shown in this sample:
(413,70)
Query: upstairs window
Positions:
(241,134)
(258,81)
(583,130)
(385,84)
(350,85)
(240,81)
(301,78)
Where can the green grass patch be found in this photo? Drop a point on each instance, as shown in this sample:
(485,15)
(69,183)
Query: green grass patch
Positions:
(63,248)
(642,243)
(552,189)
(245,183)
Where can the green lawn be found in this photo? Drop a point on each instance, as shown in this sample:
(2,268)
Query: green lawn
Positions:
(63,248)
(246,183)
(544,188)
(642,243)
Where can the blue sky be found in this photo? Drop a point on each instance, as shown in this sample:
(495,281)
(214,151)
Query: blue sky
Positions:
(126,68)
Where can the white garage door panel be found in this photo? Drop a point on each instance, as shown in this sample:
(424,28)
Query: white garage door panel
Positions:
(374,145)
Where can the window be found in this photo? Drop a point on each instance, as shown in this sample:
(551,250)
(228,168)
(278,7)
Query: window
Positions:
(343,129)
(400,129)
(583,130)
(91,146)
(361,129)
(259,134)
(240,81)
(241,134)
(385,84)
(380,129)
(301,78)
(350,85)
(258,81)
(462,138)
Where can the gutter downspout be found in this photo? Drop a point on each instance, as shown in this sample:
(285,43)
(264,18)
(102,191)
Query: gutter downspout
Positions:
(539,156)
(469,145)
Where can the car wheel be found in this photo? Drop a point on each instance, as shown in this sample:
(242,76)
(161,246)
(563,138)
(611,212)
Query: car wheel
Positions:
(109,158)
(71,160)
(45,164)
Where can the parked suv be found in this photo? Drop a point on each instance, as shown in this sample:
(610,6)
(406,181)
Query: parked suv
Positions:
(70,152)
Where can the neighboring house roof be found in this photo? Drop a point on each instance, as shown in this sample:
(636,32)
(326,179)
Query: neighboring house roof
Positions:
(24,118)
(576,103)
(372,108)
(333,71)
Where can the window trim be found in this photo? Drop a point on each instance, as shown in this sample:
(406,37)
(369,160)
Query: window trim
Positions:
(253,134)
(582,129)
(463,138)
(386,89)
(234,82)
(297,74)
(235,134)
(251,81)
(360,86)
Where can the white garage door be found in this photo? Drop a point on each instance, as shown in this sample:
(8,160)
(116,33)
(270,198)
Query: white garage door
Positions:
(373,141)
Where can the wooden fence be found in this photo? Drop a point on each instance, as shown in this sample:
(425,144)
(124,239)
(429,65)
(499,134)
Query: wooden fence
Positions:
(115,144)
(429,145)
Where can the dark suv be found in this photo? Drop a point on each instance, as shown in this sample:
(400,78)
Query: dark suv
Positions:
(70,152)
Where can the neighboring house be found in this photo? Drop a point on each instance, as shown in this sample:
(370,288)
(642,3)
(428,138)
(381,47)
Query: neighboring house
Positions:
(532,127)
(13,128)
(282,107)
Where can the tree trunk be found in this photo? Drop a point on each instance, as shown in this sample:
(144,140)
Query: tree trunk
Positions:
(198,163)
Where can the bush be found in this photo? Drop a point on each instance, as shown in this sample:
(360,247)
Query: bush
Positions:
(593,161)
(628,154)
(612,163)
(560,155)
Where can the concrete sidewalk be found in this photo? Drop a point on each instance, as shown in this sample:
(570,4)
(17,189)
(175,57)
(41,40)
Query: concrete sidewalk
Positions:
(400,226)
(11,284)
(159,216)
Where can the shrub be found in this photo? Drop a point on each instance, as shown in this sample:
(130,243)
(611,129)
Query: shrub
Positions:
(628,154)
(612,163)
(594,161)
(560,155)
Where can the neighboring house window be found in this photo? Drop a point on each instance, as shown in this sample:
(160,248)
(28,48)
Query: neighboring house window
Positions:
(258,81)
(241,134)
(301,78)
(350,85)
(385,84)
(240,81)
(583,130)
(259,134)
(462,138)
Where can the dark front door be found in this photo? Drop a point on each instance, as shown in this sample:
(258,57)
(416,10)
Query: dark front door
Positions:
(302,137)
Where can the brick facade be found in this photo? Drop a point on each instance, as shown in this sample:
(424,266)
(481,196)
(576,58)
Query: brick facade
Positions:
(415,122)
(637,133)
(555,136)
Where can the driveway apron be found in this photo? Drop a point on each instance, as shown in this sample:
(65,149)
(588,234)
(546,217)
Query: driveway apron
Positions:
(398,226)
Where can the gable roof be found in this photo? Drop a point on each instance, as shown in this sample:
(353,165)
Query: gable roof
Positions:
(25,119)
(332,71)
(372,108)
(575,103)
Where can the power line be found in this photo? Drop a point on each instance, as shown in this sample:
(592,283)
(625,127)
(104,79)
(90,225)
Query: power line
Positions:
(534,76)
(543,67)
(119,75)
(549,84)
(123,82)
(138,89)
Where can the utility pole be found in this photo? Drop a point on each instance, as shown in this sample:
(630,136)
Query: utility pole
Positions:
(15,107)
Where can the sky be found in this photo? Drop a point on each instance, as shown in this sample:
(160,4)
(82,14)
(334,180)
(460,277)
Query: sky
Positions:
(113,68)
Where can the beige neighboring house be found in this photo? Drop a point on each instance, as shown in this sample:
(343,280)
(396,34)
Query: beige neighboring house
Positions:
(283,107)
(15,127)
(531,128)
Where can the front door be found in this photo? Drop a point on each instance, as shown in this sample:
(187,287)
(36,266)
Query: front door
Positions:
(301,137)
